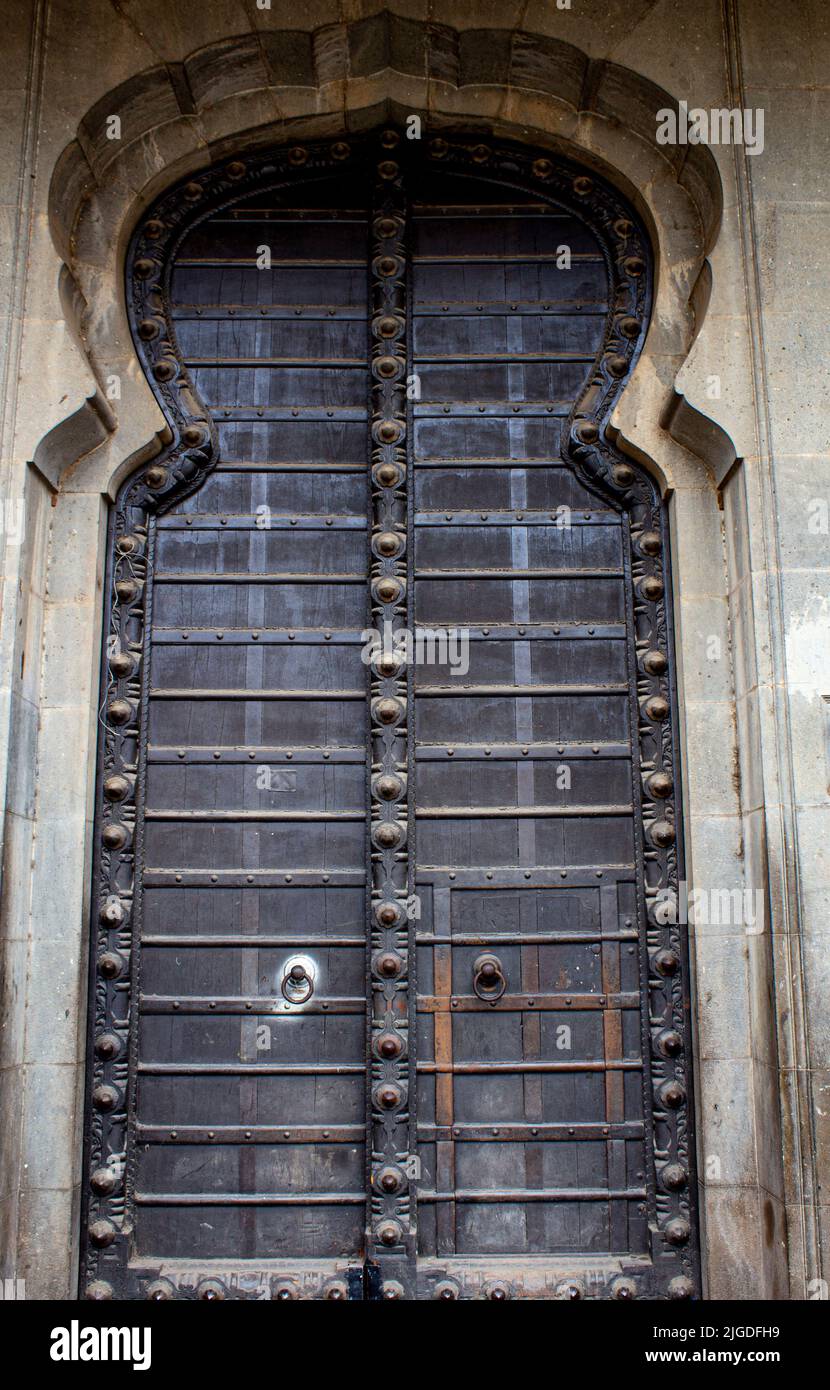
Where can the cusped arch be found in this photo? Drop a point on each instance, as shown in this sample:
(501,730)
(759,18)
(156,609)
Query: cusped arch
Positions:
(345,78)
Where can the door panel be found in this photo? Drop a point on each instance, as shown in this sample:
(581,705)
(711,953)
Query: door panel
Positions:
(381,1002)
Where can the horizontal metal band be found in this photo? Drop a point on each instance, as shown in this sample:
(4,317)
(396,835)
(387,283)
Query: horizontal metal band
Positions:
(160,693)
(437,410)
(243,878)
(518,1003)
(255,363)
(528,1133)
(499,308)
(466,464)
(500,258)
(432,212)
(238,637)
(515,691)
(249,1134)
(234,817)
(541,876)
(255,1007)
(248,413)
(310,313)
(508,1068)
(256,941)
(250,1199)
(276,262)
(252,578)
(520,518)
(502,358)
(288,466)
(305,756)
(517,752)
(466,575)
(240,521)
(518,812)
(251,1068)
(515,938)
(520,1195)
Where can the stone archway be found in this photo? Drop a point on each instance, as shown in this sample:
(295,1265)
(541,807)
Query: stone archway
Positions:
(243,93)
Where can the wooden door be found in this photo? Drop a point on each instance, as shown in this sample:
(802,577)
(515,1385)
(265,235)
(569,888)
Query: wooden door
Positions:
(383,1003)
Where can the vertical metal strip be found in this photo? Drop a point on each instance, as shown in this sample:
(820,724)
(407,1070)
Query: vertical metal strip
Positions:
(391,1236)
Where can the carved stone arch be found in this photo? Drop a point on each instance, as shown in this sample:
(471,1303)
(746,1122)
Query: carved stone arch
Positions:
(523,85)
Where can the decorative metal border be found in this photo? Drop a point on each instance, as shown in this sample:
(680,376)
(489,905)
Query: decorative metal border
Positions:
(391,1234)
(179,471)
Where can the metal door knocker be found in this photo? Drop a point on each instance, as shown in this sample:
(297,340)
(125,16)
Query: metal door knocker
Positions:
(489,981)
(298,981)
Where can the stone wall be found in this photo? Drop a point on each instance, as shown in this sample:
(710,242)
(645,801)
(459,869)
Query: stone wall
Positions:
(722,407)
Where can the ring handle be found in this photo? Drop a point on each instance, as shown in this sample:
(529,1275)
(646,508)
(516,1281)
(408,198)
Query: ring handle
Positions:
(297,984)
(489,980)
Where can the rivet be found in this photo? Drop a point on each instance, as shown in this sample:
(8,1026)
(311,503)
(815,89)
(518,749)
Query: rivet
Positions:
(99,1291)
(105,1098)
(388,544)
(103,1181)
(660,785)
(388,431)
(116,788)
(107,1046)
(388,834)
(193,436)
(388,711)
(676,1231)
(387,367)
(673,1177)
(388,590)
(655,662)
(666,962)
(387,327)
(629,326)
(120,712)
(155,477)
(657,709)
(388,475)
(102,1233)
(587,431)
(114,836)
(651,588)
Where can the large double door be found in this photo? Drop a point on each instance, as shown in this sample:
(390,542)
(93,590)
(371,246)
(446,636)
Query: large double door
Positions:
(382,1006)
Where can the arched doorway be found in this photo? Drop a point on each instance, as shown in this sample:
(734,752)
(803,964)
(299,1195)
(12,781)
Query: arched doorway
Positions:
(381,1003)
